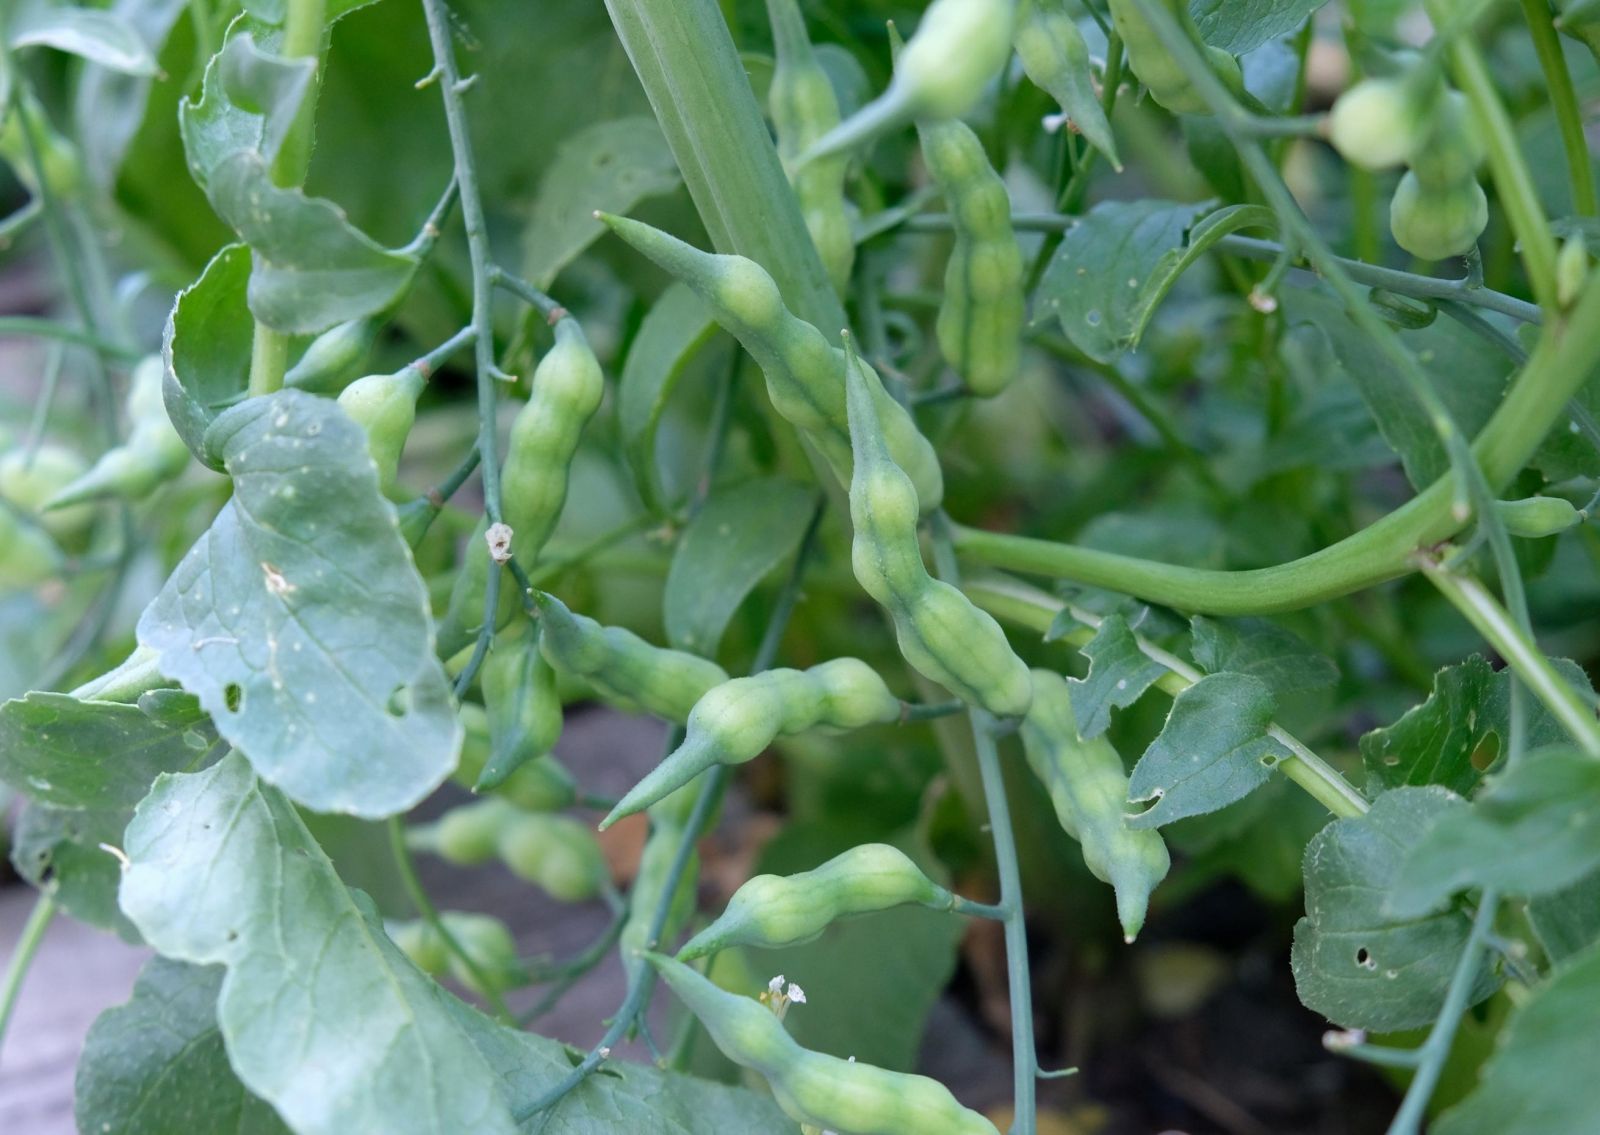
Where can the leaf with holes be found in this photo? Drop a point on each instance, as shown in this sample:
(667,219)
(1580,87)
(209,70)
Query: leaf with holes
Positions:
(1119,674)
(64,851)
(300,621)
(1213,750)
(1352,962)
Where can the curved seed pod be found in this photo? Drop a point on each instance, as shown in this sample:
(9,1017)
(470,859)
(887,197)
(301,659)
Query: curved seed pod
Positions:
(1056,59)
(152,455)
(1533,517)
(984,304)
(824,1091)
(524,711)
(736,721)
(567,388)
(805,374)
(554,852)
(385,406)
(1149,59)
(622,667)
(333,358)
(804,108)
(958,48)
(1089,788)
(940,632)
(785,910)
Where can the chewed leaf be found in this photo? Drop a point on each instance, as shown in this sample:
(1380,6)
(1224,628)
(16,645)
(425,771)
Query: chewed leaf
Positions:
(1119,673)
(300,621)
(64,850)
(207,349)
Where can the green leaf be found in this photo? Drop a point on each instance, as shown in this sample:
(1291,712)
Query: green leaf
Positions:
(671,335)
(1213,750)
(1539,1081)
(156,1065)
(1236,26)
(207,348)
(1534,829)
(1353,963)
(740,535)
(249,101)
(300,621)
(1568,921)
(59,851)
(1116,265)
(104,38)
(325,1019)
(1119,673)
(110,104)
(1279,657)
(89,754)
(610,167)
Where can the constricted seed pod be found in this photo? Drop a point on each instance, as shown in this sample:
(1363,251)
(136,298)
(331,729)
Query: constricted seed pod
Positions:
(523,708)
(736,721)
(1381,123)
(813,1088)
(542,784)
(1089,788)
(385,406)
(1149,59)
(1056,59)
(771,911)
(28,481)
(556,853)
(1436,224)
(805,374)
(488,942)
(334,358)
(940,632)
(622,667)
(28,556)
(152,455)
(669,819)
(1533,517)
(467,835)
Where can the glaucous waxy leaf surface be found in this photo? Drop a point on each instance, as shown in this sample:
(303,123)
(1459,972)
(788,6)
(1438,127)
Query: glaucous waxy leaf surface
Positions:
(63,851)
(1119,672)
(207,347)
(1354,963)
(106,39)
(300,622)
(1236,26)
(1279,657)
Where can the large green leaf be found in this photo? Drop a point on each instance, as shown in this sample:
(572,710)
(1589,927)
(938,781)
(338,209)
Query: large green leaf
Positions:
(156,1065)
(110,103)
(1119,672)
(248,102)
(63,852)
(104,38)
(1213,750)
(1279,657)
(671,335)
(300,621)
(1352,962)
(610,167)
(1540,1080)
(207,349)
(1568,921)
(1533,830)
(1236,26)
(325,1019)
(740,535)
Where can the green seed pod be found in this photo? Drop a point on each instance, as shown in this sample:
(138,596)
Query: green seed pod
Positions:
(29,481)
(985,295)
(1381,123)
(805,375)
(28,556)
(556,853)
(772,911)
(1533,517)
(1572,269)
(804,108)
(540,785)
(1436,225)
(1152,63)
(385,405)
(467,835)
(420,942)
(958,49)
(940,632)
(524,711)
(1089,788)
(736,721)
(1454,148)
(824,1091)
(1056,59)
(153,454)
(567,388)
(333,359)
(620,666)
(463,616)
(669,819)
(490,945)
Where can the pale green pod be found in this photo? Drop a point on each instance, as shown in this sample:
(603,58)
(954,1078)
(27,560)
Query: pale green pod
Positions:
(668,822)
(1380,123)
(940,632)
(1454,148)
(813,1088)
(153,453)
(385,406)
(333,358)
(1056,59)
(736,721)
(1153,64)
(1089,788)
(1533,517)
(28,481)
(488,942)
(557,853)
(805,374)
(1436,224)
(622,667)
(467,835)
(28,556)
(772,911)
(524,710)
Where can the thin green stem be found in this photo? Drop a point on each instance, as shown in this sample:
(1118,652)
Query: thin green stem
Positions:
(567,974)
(1564,102)
(33,931)
(51,329)
(544,304)
(928,711)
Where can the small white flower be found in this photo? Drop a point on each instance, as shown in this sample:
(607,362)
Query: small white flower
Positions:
(775,986)
(796,994)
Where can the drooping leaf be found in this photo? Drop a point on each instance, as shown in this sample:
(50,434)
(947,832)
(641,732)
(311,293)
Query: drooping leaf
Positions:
(207,349)
(1279,657)
(1568,921)
(101,37)
(610,167)
(671,334)
(1213,750)
(300,621)
(1119,673)
(1532,830)
(59,851)
(89,754)
(325,1019)
(110,103)
(1236,26)
(1355,964)
(156,1065)
(740,535)
(1539,1080)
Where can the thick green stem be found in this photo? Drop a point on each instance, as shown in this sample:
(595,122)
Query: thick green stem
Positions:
(44,909)
(1564,102)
